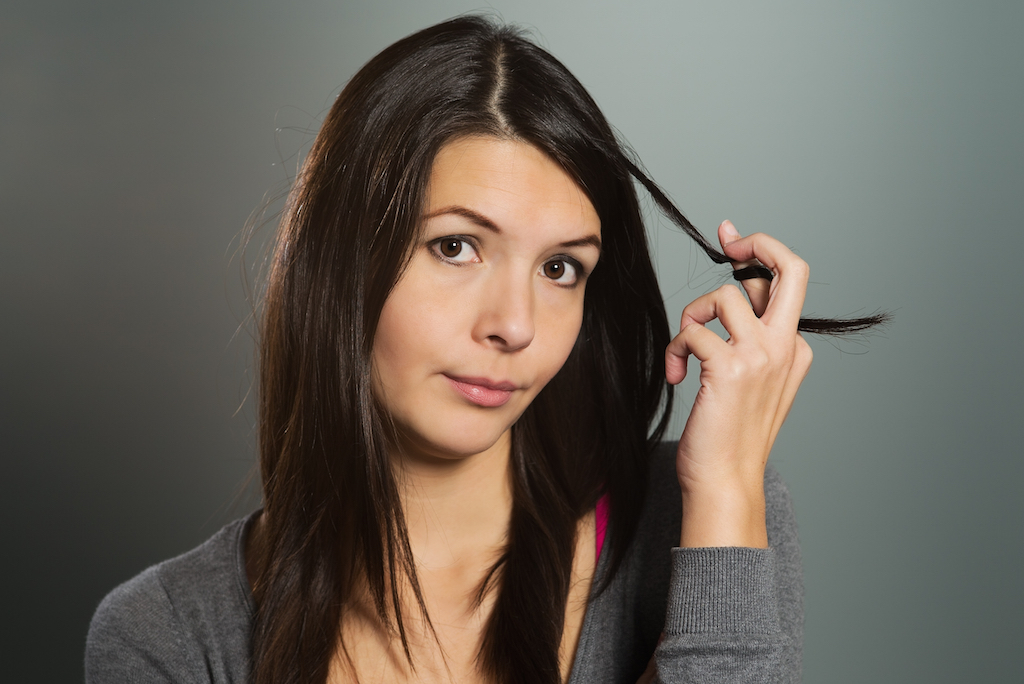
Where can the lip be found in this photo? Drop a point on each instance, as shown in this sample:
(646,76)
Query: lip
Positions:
(483,391)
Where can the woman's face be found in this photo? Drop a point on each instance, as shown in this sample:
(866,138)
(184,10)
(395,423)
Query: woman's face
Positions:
(491,302)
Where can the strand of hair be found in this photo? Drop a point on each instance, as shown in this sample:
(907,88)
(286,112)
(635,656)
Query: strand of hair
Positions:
(819,326)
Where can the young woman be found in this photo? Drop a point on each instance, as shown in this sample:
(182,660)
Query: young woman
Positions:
(464,383)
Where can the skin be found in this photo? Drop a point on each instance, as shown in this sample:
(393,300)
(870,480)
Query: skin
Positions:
(481,302)
(493,296)
(747,387)
(483,305)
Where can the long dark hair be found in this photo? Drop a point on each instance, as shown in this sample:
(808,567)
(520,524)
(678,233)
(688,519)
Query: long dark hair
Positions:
(333,517)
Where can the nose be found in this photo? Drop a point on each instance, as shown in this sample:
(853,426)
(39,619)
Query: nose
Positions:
(506,315)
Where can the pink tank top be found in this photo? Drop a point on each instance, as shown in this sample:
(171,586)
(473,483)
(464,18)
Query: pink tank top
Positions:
(601,516)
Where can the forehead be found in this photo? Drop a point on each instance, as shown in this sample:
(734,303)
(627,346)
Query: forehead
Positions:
(511,182)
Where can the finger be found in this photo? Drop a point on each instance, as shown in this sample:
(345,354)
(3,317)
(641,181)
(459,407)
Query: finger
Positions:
(726,304)
(802,358)
(692,339)
(786,293)
(757,288)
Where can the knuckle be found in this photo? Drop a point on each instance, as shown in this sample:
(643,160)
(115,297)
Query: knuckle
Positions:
(729,291)
(799,267)
(752,363)
(804,354)
(759,361)
(687,316)
(736,369)
(732,296)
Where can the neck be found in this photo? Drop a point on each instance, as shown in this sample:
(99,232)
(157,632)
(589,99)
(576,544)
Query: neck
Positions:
(457,511)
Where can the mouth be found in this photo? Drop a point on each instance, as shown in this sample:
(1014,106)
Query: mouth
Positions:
(483,392)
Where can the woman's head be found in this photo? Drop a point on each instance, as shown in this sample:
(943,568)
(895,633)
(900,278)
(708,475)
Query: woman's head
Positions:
(358,207)
(490,303)
(352,227)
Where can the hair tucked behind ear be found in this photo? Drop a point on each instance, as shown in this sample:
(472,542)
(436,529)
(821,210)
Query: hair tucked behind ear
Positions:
(333,533)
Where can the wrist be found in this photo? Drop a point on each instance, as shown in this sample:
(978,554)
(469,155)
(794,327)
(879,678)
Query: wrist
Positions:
(724,516)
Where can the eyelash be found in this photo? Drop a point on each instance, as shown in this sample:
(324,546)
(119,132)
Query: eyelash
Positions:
(575,265)
(435,248)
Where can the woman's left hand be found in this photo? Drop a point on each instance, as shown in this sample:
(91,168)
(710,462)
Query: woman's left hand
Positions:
(747,386)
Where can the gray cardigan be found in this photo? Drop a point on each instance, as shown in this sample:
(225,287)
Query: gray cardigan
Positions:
(727,614)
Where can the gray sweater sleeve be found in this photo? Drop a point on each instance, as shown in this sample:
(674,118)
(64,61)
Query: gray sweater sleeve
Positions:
(709,616)
(723,615)
(736,614)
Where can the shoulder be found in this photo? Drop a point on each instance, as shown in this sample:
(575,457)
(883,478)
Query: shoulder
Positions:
(186,619)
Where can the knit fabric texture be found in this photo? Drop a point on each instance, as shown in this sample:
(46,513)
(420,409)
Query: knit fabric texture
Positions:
(711,615)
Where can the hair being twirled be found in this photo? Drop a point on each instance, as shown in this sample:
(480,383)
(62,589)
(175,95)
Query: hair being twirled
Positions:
(333,522)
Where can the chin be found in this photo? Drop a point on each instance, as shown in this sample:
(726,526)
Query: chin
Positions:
(449,449)
(459,440)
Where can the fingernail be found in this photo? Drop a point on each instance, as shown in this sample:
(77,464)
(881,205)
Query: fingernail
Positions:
(730,230)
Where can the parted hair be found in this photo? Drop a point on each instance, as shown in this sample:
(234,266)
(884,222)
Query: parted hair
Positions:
(333,531)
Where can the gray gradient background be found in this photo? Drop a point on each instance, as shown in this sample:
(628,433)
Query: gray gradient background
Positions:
(882,141)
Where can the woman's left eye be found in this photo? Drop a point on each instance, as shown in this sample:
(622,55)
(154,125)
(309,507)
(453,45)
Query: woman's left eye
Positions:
(562,271)
(454,249)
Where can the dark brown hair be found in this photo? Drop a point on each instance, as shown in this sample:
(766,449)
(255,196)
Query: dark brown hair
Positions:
(333,516)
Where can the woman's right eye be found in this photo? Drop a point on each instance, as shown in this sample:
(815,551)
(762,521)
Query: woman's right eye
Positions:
(454,249)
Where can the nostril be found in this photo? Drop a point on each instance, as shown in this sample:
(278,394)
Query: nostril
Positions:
(510,342)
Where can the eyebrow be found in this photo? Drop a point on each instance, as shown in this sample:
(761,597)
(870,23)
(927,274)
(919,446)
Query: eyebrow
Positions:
(486,223)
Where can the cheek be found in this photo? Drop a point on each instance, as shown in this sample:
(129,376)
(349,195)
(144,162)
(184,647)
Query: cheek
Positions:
(393,356)
(564,327)
(413,330)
